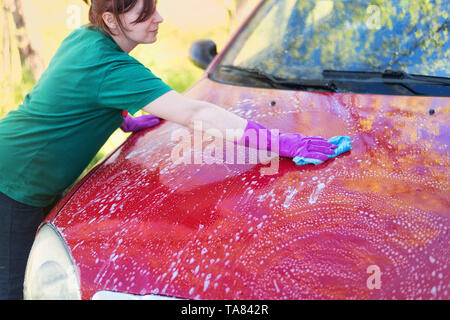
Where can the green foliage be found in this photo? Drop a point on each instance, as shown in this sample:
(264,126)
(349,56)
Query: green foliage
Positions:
(181,81)
(19,91)
(27,84)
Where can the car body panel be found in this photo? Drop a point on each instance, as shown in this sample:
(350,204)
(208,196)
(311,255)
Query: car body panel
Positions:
(142,224)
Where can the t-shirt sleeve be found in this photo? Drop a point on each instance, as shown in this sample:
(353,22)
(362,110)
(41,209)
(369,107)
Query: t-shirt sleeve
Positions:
(131,86)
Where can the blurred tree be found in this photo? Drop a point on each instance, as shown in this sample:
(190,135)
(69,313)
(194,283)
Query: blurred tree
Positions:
(20,64)
(10,66)
(237,10)
(240,4)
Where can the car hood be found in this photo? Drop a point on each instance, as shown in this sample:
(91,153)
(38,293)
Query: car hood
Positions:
(369,224)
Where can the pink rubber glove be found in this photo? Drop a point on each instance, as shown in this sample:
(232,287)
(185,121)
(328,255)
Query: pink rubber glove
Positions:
(139,123)
(290,144)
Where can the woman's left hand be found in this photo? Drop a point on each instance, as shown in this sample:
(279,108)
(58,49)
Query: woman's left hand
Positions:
(131,124)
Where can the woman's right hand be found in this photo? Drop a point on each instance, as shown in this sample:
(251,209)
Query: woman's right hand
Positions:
(298,145)
(290,144)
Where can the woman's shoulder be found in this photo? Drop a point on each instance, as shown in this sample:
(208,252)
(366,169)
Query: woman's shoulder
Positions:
(89,47)
(88,40)
(88,36)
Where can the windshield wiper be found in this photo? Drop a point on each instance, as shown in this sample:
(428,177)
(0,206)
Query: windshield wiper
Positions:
(387,76)
(278,82)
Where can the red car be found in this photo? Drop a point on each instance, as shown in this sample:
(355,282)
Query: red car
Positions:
(372,223)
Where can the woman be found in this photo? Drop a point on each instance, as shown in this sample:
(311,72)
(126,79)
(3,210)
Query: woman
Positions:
(77,104)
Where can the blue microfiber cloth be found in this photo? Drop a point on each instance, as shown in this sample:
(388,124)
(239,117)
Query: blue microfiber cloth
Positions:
(343,143)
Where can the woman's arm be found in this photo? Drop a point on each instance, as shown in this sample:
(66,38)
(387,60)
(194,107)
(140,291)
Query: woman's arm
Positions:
(175,107)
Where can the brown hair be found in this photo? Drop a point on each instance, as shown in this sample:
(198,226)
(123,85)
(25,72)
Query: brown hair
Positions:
(117,7)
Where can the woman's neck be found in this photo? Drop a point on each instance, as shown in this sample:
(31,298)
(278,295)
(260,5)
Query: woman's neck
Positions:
(124,43)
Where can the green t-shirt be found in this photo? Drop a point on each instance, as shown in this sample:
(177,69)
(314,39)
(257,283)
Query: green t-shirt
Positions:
(70,113)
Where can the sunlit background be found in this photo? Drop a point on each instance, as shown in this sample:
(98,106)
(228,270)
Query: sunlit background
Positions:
(32,30)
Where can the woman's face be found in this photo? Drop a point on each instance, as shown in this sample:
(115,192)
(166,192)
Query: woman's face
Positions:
(143,32)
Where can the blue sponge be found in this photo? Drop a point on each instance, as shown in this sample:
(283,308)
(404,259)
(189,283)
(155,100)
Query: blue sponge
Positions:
(343,143)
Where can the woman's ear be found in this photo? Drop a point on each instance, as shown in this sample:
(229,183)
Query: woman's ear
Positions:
(110,21)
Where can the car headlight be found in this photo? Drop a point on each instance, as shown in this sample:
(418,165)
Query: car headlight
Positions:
(50,272)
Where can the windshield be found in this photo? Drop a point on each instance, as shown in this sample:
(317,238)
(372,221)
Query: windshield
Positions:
(299,39)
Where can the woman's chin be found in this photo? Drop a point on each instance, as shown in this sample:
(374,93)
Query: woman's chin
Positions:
(151,39)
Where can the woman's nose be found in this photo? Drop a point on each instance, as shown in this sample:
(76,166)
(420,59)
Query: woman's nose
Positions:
(158,17)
